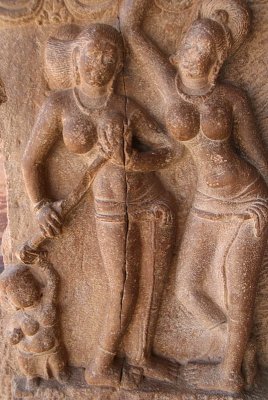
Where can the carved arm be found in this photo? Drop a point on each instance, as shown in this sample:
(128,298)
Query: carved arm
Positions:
(45,133)
(247,138)
(52,282)
(157,67)
(159,150)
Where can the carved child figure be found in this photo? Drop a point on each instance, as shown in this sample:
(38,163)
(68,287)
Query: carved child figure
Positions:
(33,328)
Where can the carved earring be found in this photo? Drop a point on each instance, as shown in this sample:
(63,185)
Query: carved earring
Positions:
(77,76)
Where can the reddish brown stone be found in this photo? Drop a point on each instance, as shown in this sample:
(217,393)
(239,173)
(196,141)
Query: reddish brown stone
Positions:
(136,243)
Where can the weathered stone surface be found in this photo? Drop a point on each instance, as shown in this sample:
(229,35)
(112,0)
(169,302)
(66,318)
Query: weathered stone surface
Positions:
(40,63)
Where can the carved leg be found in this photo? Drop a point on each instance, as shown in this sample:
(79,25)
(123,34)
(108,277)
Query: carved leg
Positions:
(197,252)
(58,366)
(249,366)
(122,283)
(155,260)
(242,266)
(25,387)
(153,366)
(242,272)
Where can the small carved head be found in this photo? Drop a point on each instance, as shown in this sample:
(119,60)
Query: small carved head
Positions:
(221,28)
(19,287)
(98,56)
(203,50)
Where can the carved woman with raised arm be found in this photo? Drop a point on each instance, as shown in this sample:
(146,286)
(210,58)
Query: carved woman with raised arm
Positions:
(226,231)
(125,189)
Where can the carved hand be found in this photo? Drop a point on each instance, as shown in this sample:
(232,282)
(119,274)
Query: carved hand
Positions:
(129,150)
(132,13)
(16,336)
(162,213)
(49,219)
(110,140)
(259,214)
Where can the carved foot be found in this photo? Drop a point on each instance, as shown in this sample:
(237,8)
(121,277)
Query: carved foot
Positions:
(160,369)
(211,378)
(24,388)
(106,377)
(63,377)
(132,377)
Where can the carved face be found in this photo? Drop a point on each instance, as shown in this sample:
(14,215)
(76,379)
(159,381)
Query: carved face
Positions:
(23,292)
(98,62)
(197,55)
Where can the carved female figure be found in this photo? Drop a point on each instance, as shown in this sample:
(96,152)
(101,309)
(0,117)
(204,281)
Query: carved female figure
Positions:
(125,190)
(226,231)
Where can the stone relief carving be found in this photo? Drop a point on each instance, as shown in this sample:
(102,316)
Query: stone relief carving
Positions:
(207,116)
(88,8)
(173,5)
(19,10)
(53,11)
(125,154)
(33,327)
(126,190)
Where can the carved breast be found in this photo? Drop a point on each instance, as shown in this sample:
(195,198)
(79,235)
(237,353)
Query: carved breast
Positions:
(183,121)
(216,121)
(79,133)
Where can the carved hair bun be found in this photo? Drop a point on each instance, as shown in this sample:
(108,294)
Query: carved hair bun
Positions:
(232,14)
(58,58)
(59,54)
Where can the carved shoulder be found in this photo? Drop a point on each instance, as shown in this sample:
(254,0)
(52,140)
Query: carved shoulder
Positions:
(237,96)
(56,102)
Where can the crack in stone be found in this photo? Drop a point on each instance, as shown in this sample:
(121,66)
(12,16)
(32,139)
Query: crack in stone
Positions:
(126,181)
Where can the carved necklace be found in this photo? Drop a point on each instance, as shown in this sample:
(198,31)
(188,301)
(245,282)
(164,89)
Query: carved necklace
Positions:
(88,109)
(193,98)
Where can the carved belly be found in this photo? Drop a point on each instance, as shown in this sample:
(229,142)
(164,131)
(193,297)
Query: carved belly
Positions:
(110,183)
(43,341)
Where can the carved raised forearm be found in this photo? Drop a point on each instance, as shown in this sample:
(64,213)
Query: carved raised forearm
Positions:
(132,13)
(247,136)
(157,67)
(52,282)
(149,161)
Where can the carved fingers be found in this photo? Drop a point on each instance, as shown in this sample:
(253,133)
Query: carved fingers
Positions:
(111,139)
(162,213)
(258,212)
(49,221)
(29,255)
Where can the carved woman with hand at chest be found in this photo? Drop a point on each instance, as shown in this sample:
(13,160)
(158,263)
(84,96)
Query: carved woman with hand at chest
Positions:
(226,230)
(126,189)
